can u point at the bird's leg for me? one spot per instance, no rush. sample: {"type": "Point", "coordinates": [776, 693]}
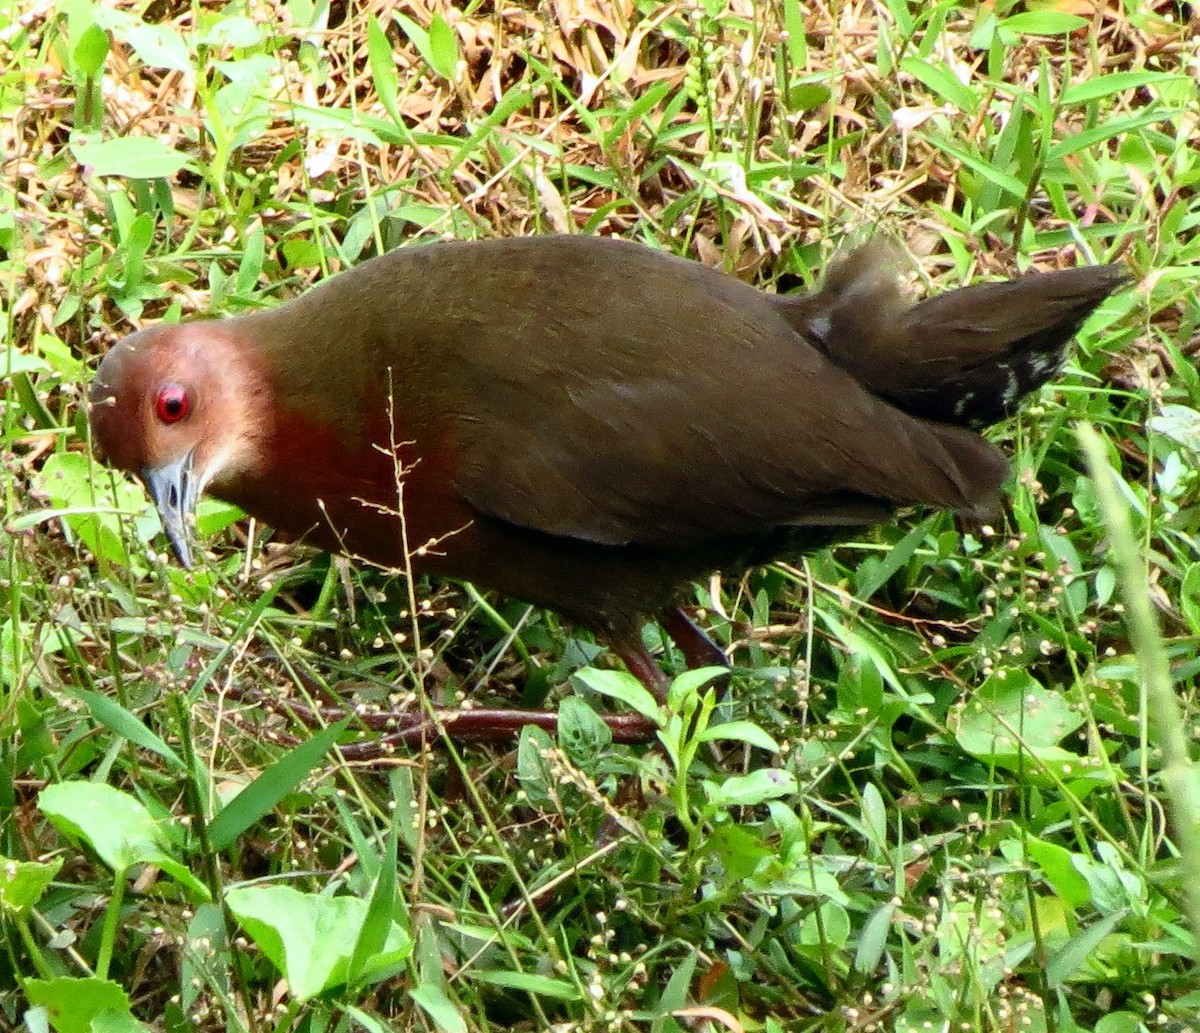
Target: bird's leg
{"type": "Point", "coordinates": [628, 645]}
{"type": "Point", "coordinates": [697, 648]}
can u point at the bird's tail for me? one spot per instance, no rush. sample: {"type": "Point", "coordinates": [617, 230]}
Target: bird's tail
{"type": "Point", "coordinates": [966, 357]}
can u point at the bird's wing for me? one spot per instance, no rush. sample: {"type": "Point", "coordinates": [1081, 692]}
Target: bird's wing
{"type": "Point", "coordinates": [711, 419]}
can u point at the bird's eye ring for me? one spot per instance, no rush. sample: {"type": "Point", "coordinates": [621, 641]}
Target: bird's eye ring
{"type": "Point", "coordinates": [172, 403]}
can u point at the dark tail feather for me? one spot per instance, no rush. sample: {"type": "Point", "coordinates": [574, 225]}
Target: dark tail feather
{"type": "Point", "coordinates": [966, 357]}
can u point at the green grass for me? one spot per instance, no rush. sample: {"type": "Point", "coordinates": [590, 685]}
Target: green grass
{"type": "Point", "coordinates": [940, 803]}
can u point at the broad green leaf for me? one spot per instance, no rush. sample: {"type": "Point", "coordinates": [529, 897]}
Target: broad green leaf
{"type": "Point", "coordinates": [22, 883]}
{"type": "Point", "coordinates": [581, 732]}
{"type": "Point", "coordinates": [533, 770]}
{"type": "Point", "coordinates": [310, 938]}
{"type": "Point", "coordinates": [874, 938]}
{"type": "Point", "coordinates": [1012, 714]}
{"type": "Point", "coordinates": [116, 826]}
{"type": "Point", "coordinates": [14, 362]}
{"type": "Point", "coordinates": [158, 45]}
{"type": "Point", "coordinates": [134, 157]}
{"type": "Point", "coordinates": [1043, 23]}
{"type": "Point", "coordinates": [76, 1005]}
{"type": "Point", "coordinates": [624, 687]}
{"type": "Point", "coordinates": [749, 790]}
{"type": "Point", "coordinates": [1180, 423]}
{"type": "Point", "coordinates": [91, 50]}
{"type": "Point", "coordinates": [91, 500]}
{"type": "Point", "coordinates": [1060, 870]}
{"type": "Point", "coordinates": [739, 850]}
{"type": "Point", "coordinates": [443, 48]}
{"type": "Point", "coordinates": [739, 731]}
{"type": "Point", "coordinates": [689, 683]}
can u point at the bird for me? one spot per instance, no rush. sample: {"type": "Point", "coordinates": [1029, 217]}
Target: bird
{"type": "Point", "coordinates": [586, 423]}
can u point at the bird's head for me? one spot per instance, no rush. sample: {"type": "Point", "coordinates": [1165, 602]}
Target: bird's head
{"type": "Point", "coordinates": [180, 407]}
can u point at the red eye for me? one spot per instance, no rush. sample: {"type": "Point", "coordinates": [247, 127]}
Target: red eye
{"type": "Point", "coordinates": [172, 403]}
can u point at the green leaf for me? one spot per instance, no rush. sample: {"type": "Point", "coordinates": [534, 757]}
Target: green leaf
{"type": "Point", "coordinates": [383, 68]}
{"type": "Point", "coordinates": [797, 42]}
{"type": "Point", "coordinates": [1010, 184]}
{"type": "Point", "coordinates": [438, 46]}
{"type": "Point", "coordinates": [624, 687]}
{"type": "Point", "coordinates": [874, 938]}
{"type": "Point", "coordinates": [689, 683]}
{"type": "Point", "coordinates": [749, 790]}
{"type": "Point", "coordinates": [1043, 23]}
{"type": "Point", "coordinates": [310, 937]}
{"type": "Point", "coordinates": [82, 1005]}
{"type": "Point", "coordinates": [1071, 957]}
{"type": "Point", "coordinates": [739, 851]}
{"type": "Point", "coordinates": [91, 500]}
{"type": "Point", "coordinates": [739, 731]}
{"type": "Point", "coordinates": [1110, 130]}
{"type": "Point", "coordinates": [1060, 870]}
{"type": "Point", "coordinates": [213, 515]}
{"type": "Point", "coordinates": [434, 1002]}
{"type": "Point", "coordinates": [112, 715]}
{"type": "Point", "coordinates": [508, 105]}
{"type": "Point", "coordinates": [1180, 423]}
{"type": "Point", "coordinates": [443, 48]}
{"type": "Point", "coordinates": [91, 50]}
{"type": "Point", "coordinates": [117, 1022]}
{"type": "Point", "coordinates": [531, 983]}
{"type": "Point", "coordinates": [116, 826]}
{"type": "Point", "coordinates": [231, 30]}
{"type": "Point", "coordinates": [15, 362]}
{"type": "Point", "coordinates": [1012, 714]}
{"type": "Point", "coordinates": [372, 937]}
{"type": "Point", "coordinates": [22, 883]}
{"type": "Point", "coordinates": [581, 732]}
{"type": "Point", "coordinates": [158, 45]}
{"type": "Point", "coordinates": [261, 795]}
{"type": "Point", "coordinates": [1014, 708]}
{"type": "Point", "coordinates": [874, 817]}
{"type": "Point", "coordinates": [675, 994]}
{"type": "Point", "coordinates": [1116, 82]}
{"type": "Point", "coordinates": [134, 157]}
{"type": "Point", "coordinates": [533, 770]}
{"type": "Point", "coordinates": [941, 81]}
{"type": "Point", "coordinates": [875, 572]}
{"type": "Point", "coordinates": [1121, 1022]}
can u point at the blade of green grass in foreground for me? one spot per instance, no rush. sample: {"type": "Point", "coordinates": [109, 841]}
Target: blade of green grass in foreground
{"type": "Point", "coordinates": [1180, 774]}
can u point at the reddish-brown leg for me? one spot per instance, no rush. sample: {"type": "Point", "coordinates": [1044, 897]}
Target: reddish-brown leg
{"type": "Point", "coordinates": [628, 645]}
{"type": "Point", "coordinates": [697, 648]}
